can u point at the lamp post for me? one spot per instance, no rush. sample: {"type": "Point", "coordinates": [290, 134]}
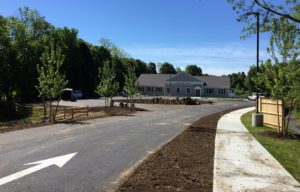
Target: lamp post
{"type": "Point", "coordinates": [257, 119]}
{"type": "Point", "coordinates": [257, 51]}
{"type": "Point", "coordinates": [170, 86]}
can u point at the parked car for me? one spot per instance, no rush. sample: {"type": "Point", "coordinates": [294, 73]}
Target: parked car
{"type": "Point", "coordinates": [254, 96]}
{"type": "Point", "coordinates": [67, 95]}
{"type": "Point", "coordinates": [123, 93]}
{"type": "Point", "coordinates": [77, 94]}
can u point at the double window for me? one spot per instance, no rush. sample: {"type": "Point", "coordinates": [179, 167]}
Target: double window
{"type": "Point", "coordinates": [141, 89]}
{"type": "Point", "coordinates": [210, 91]}
{"type": "Point", "coordinates": [222, 91]}
{"type": "Point", "coordinates": [158, 89]}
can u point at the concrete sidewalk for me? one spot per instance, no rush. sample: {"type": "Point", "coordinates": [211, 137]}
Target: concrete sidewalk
{"type": "Point", "coordinates": [242, 164]}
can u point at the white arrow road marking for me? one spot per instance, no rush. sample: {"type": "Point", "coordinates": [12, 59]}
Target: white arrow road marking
{"type": "Point", "coordinates": [59, 161]}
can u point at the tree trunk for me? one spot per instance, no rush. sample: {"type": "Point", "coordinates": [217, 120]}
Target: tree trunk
{"type": "Point", "coordinates": [111, 102]}
{"type": "Point", "coordinates": [278, 119]}
{"type": "Point", "coordinates": [45, 110]}
{"type": "Point", "coordinates": [55, 113]}
{"type": "Point", "coordinates": [289, 116]}
{"type": "Point", "coordinates": [104, 104]}
{"type": "Point", "coordinates": [131, 102]}
{"type": "Point", "coordinates": [50, 111]}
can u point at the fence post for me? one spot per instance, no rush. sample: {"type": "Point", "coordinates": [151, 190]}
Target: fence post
{"type": "Point", "coordinates": [283, 113]}
{"type": "Point", "coordinates": [87, 111]}
{"type": "Point", "coordinates": [45, 111]}
{"type": "Point", "coordinates": [260, 105]}
{"type": "Point", "coordinates": [64, 112]}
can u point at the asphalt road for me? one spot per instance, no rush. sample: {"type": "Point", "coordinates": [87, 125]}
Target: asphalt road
{"type": "Point", "coordinates": [106, 149]}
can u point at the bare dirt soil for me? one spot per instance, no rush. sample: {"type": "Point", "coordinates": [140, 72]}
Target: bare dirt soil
{"type": "Point", "coordinates": [94, 112]}
{"type": "Point", "coordinates": [184, 164]}
{"type": "Point", "coordinates": [157, 100]}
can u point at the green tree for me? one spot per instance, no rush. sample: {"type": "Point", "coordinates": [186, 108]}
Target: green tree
{"type": "Point", "coordinates": [27, 31]}
{"type": "Point", "coordinates": [130, 79]}
{"type": "Point", "coordinates": [178, 70]}
{"type": "Point", "coordinates": [108, 86]}
{"type": "Point", "coordinates": [50, 80]}
{"type": "Point", "coordinates": [140, 67]}
{"type": "Point", "coordinates": [282, 78]}
{"type": "Point", "coordinates": [269, 11]}
{"type": "Point", "coordinates": [67, 39]}
{"type": "Point", "coordinates": [167, 68]}
{"type": "Point", "coordinates": [88, 70]}
{"type": "Point", "coordinates": [114, 50]}
{"type": "Point", "coordinates": [151, 68]}
{"type": "Point", "coordinates": [249, 81]}
{"type": "Point", "coordinates": [193, 70]}
{"type": "Point", "coordinates": [237, 82]}
{"type": "Point", "coordinates": [119, 69]}
{"type": "Point", "coordinates": [8, 63]}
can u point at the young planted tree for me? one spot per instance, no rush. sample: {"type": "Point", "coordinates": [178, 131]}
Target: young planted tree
{"type": "Point", "coordinates": [50, 81]}
{"type": "Point", "coordinates": [108, 86]}
{"type": "Point", "coordinates": [130, 79]}
{"type": "Point", "coordinates": [282, 78]}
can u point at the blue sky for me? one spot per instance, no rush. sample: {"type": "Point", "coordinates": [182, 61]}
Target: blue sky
{"type": "Point", "coordinates": [182, 32]}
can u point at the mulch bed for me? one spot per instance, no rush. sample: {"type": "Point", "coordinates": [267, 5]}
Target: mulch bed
{"type": "Point", "coordinates": [184, 164]}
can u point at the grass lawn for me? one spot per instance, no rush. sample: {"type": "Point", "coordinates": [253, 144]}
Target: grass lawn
{"type": "Point", "coordinates": [297, 113]}
{"type": "Point", "coordinates": [285, 150]}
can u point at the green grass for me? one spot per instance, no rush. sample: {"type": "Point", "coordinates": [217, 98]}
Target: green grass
{"type": "Point", "coordinates": [298, 117]}
{"type": "Point", "coordinates": [36, 117]}
{"type": "Point", "coordinates": [285, 150]}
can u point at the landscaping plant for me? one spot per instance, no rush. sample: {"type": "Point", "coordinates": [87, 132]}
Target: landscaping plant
{"type": "Point", "coordinates": [282, 79]}
{"type": "Point", "coordinates": [108, 86]}
{"type": "Point", "coordinates": [130, 79]}
{"type": "Point", "coordinates": [50, 80]}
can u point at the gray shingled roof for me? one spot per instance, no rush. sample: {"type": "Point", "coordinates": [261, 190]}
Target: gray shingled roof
{"type": "Point", "coordinates": [215, 81]}
{"type": "Point", "coordinates": [158, 80]}
{"type": "Point", "coordinates": [153, 80]}
{"type": "Point", "coordinates": [184, 77]}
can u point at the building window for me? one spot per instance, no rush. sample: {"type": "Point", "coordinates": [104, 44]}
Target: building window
{"type": "Point", "coordinates": [168, 89]}
{"type": "Point", "coordinates": [222, 91]}
{"type": "Point", "coordinates": [210, 91]}
{"type": "Point", "coordinates": [177, 90]}
{"type": "Point", "coordinates": [158, 89]}
{"type": "Point", "coordinates": [188, 90]}
{"type": "Point", "coordinates": [149, 89]}
{"type": "Point", "coordinates": [141, 89]}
